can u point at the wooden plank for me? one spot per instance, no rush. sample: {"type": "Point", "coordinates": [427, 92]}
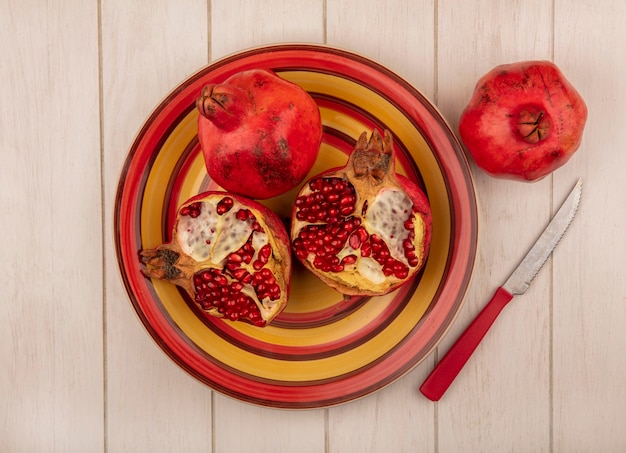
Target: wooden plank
{"type": "Point", "coordinates": [401, 37]}
{"type": "Point", "coordinates": [590, 289]}
{"type": "Point", "coordinates": [147, 50]}
{"type": "Point", "coordinates": [245, 427]}
{"type": "Point", "coordinates": [504, 389]}
{"type": "Point", "coordinates": [237, 25]}
{"type": "Point", "coordinates": [51, 350]}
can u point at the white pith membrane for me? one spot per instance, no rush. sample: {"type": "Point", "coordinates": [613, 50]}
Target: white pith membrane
{"type": "Point", "coordinates": [386, 217]}
{"type": "Point", "coordinates": [210, 238]}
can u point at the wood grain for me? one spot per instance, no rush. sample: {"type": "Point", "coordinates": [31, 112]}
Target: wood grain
{"type": "Point", "coordinates": [590, 289]}
{"type": "Point", "coordinates": [147, 50]}
{"type": "Point", "coordinates": [258, 23]}
{"type": "Point", "coordinates": [78, 372]}
{"type": "Point", "coordinates": [237, 25]}
{"type": "Point", "coordinates": [511, 367]}
{"type": "Point", "coordinates": [51, 352]}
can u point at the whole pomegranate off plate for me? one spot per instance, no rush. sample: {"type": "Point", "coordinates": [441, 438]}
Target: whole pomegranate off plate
{"type": "Point", "coordinates": [230, 254]}
{"type": "Point", "coordinates": [259, 134]}
{"type": "Point", "coordinates": [362, 229]}
{"type": "Point", "coordinates": [524, 120]}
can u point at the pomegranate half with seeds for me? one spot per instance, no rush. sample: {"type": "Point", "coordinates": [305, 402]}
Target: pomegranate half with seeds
{"type": "Point", "coordinates": [230, 254]}
{"type": "Point", "coordinates": [362, 229]}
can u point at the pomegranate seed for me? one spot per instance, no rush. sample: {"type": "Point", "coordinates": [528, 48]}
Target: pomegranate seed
{"type": "Point", "coordinates": [233, 315]}
{"type": "Point", "coordinates": [342, 236]}
{"type": "Point", "coordinates": [241, 274]}
{"type": "Point", "coordinates": [237, 286]}
{"type": "Point", "coordinates": [224, 205]}
{"type": "Point", "coordinates": [382, 254]}
{"type": "Point", "coordinates": [191, 210]}
{"type": "Point", "coordinates": [348, 259]}
{"type": "Point", "coordinates": [354, 241]}
{"type": "Point", "coordinates": [362, 234]}
{"type": "Point", "coordinates": [231, 266]}
{"type": "Point", "coordinates": [267, 274]}
{"type": "Point", "coordinates": [265, 252]}
{"type": "Point", "coordinates": [242, 215]}
{"type": "Point", "coordinates": [275, 292]}
{"type": "Point", "coordinates": [346, 210]}
{"type": "Point", "coordinates": [402, 272]}
{"type": "Point", "coordinates": [247, 258]}
{"type": "Point", "coordinates": [302, 253]}
{"type": "Point", "coordinates": [235, 258]}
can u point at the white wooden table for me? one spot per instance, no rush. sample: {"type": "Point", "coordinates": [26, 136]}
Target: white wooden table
{"type": "Point", "coordinates": [78, 372]}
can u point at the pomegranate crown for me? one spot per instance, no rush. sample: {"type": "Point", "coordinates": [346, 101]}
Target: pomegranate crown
{"type": "Point", "coordinates": [223, 105]}
{"type": "Point", "coordinates": [373, 158]}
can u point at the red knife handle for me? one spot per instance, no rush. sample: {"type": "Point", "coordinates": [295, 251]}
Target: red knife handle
{"type": "Point", "coordinates": [449, 367]}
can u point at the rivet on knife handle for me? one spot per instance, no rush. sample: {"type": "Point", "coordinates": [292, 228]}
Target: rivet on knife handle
{"type": "Point", "coordinates": [449, 367]}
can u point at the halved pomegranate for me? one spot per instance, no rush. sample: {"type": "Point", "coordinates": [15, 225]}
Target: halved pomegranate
{"type": "Point", "coordinates": [230, 254]}
{"type": "Point", "coordinates": [362, 229]}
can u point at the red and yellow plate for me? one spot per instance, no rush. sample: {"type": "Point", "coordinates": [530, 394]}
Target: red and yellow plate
{"type": "Point", "coordinates": [322, 350]}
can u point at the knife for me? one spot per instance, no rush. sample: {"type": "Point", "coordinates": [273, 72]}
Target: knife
{"type": "Point", "coordinates": [449, 367]}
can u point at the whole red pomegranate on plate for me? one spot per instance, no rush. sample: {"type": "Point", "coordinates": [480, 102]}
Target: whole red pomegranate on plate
{"type": "Point", "coordinates": [230, 254]}
{"type": "Point", "coordinates": [259, 134]}
{"type": "Point", "coordinates": [362, 229]}
{"type": "Point", "coordinates": [523, 121]}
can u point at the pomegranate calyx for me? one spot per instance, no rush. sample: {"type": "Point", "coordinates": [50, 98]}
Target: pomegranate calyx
{"type": "Point", "coordinates": [532, 124]}
{"type": "Point", "coordinates": [166, 264]}
{"type": "Point", "coordinates": [223, 105]}
{"type": "Point", "coordinates": [162, 261]}
{"type": "Point", "coordinates": [372, 159]}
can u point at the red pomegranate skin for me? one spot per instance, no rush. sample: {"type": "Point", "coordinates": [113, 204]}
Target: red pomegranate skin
{"type": "Point", "coordinates": [260, 134]}
{"type": "Point", "coordinates": [523, 121]}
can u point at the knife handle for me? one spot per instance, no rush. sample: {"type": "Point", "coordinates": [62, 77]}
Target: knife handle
{"type": "Point", "coordinates": [447, 369]}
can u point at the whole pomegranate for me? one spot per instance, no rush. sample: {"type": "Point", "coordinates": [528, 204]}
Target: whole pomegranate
{"type": "Point", "coordinates": [259, 134]}
{"type": "Point", "coordinates": [230, 254]}
{"type": "Point", "coordinates": [523, 121]}
{"type": "Point", "coordinates": [362, 229]}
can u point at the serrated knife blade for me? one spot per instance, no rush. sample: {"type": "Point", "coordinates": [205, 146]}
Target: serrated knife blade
{"type": "Point", "coordinates": [520, 279]}
{"type": "Point", "coordinates": [449, 367]}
